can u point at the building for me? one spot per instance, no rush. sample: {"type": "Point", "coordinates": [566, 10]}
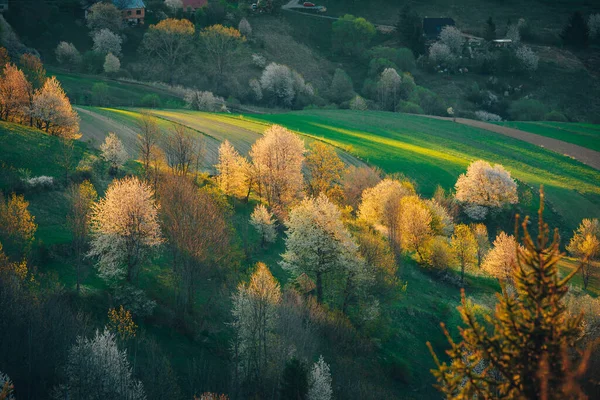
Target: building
{"type": "Point", "coordinates": [132, 11]}
{"type": "Point", "coordinates": [432, 27]}
{"type": "Point", "coordinates": [502, 43]}
{"type": "Point", "coordinates": [193, 5]}
{"type": "Point", "coordinates": [3, 5]}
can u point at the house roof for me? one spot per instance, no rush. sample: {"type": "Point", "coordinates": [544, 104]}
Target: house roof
{"type": "Point", "coordinates": [194, 4]}
{"type": "Point", "coordinates": [128, 4]}
{"type": "Point", "coordinates": [433, 26]}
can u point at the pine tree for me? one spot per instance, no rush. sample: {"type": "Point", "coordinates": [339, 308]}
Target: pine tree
{"type": "Point", "coordinates": [576, 32]}
{"type": "Point", "coordinates": [489, 32]}
{"type": "Point", "coordinates": [526, 354]}
{"type": "Point", "coordinates": [410, 29]}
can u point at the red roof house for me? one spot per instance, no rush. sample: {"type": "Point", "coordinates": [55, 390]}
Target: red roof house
{"type": "Point", "coordinates": [193, 5]}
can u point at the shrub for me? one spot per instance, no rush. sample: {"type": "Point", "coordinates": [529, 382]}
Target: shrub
{"type": "Point", "coordinates": [430, 102]}
{"type": "Point", "coordinates": [402, 58]}
{"type": "Point", "coordinates": [41, 182]}
{"type": "Point", "coordinates": [150, 100]}
{"type": "Point", "coordinates": [100, 95]}
{"type": "Point", "coordinates": [527, 110]}
{"type": "Point", "coordinates": [556, 116]}
{"type": "Point", "coordinates": [358, 103]}
{"type": "Point", "coordinates": [527, 58]}
{"type": "Point", "coordinates": [204, 101]}
{"type": "Point", "coordinates": [487, 116]}
{"type": "Point", "coordinates": [409, 108]}
{"type": "Point", "coordinates": [93, 62]}
{"type": "Point", "coordinates": [378, 65]}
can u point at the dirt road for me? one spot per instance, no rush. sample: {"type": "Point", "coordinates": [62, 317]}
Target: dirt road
{"type": "Point", "coordinates": [586, 156]}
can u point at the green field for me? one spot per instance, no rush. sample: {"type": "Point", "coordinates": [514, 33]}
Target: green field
{"type": "Point", "coordinates": [120, 93]}
{"type": "Point", "coordinates": [212, 128]}
{"type": "Point", "coordinates": [585, 135]}
{"type": "Point", "coordinates": [431, 152]}
{"type": "Point", "coordinates": [435, 152]}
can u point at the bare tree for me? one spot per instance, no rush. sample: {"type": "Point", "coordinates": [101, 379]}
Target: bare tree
{"type": "Point", "coordinates": [184, 150]}
{"type": "Point", "coordinates": [147, 138]}
{"type": "Point", "coordinates": [197, 233]}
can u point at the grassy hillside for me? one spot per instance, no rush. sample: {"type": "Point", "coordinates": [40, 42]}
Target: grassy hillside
{"type": "Point", "coordinates": [435, 152]}
{"type": "Point", "coordinates": [79, 88]}
{"type": "Point", "coordinates": [586, 135]}
{"type": "Point", "coordinates": [429, 151]}
{"type": "Point", "coordinates": [213, 128]}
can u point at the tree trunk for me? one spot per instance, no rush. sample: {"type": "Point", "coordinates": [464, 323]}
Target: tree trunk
{"type": "Point", "coordinates": [319, 287]}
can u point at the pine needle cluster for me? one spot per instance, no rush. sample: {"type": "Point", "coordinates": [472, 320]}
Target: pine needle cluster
{"type": "Point", "coordinates": [527, 352]}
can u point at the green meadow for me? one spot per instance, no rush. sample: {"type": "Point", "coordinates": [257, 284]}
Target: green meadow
{"type": "Point", "coordinates": [585, 135]}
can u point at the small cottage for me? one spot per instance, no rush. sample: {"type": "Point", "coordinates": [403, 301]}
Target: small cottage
{"type": "Point", "coordinates": [132, 11]}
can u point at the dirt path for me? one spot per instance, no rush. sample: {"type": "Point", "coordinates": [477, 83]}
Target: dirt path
{"type": "Point", "coordinates": [586, 156]}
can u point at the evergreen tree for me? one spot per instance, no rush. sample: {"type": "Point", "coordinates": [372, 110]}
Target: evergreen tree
{"type": "Point", "coordinates": [294, 385]}
{"type": "Point", "coordinates": [576, 32]}
{"type": "Point", "coordinates": [527, 354]}
{"type": "Point", "coordinates": [410, 30]}
{"type": "Point", "coordinates": [489, 32]}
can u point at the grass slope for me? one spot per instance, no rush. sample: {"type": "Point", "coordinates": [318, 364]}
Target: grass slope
{"type": "Point", "coordinates": [120, 93]}
{"type": "Point", "coordinates": [585, 135]}
{"type": "Point", "coordinates": [24, 148]}
{"type": "Point", "coordinates": [213, 128]}
{"type": "Point", "coordinates": [436, 152]}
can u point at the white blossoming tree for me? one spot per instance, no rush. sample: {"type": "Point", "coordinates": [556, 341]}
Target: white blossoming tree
{"type": "Point", "coordinates": [277, 159]}
{"type": "Point", "coordinates": [484, 186]}
{"type": "Point", "coordinates": [105, 41]}
{"type": "Point", "coordinates": [262, 220]}
{"type": "Point", "coordinates": [245, 28]}
{"type": "Point", "coordinates": [319, 381]}
{"type": "Point", "coordinates": [453, 38]}
{"type": "Point", "coordinates": [113, 152]}
{"type": "Point", "coordinates": [97, 369]}
{"type": "Point", "coordinates": [439, 53]}
{"type": "Point", "coordinates": [67, 55]}
{"type": "Point", "coordinates": [317, 243]}
{"type": "Point", "coordinates": [389, 89]}
{"type": "Point", "coordinates": [124, 228]}
{"type": "Point", "coordinates": [528, 59]}
{"type": "Point", "coordinates": [111, 64]}
{"type": "Point", "coordinates": [283, 85]}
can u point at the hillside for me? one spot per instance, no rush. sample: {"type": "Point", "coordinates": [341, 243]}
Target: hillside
{"type": "Point", "coordinates": [431, 152]}
{"type": "Point", "coordinates": [362, 218]}
{"type": "Point", "coordinates": [435, 152]}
